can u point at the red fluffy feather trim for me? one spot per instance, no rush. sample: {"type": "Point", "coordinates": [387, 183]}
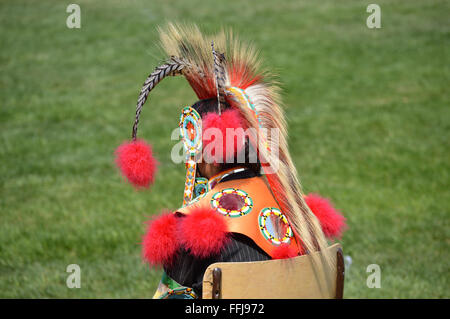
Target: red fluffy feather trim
{"type": "Point", "coordinates": [160, 242]}
{"type": "Point", "coordinates": [284, 251]}
{"type": "Point", "coordinates": [136, 162]}
{"type": "Point", "coordinates": [331, 220]}
{"type": "Point", "coordinates": [223, 135]}
{"type": "Point", "coordinates": [204, 232]}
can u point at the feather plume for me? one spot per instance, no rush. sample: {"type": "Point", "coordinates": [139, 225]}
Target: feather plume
{"type": "Point", "coordinates": [173, 67]}
{"type": "Point", "coordinates": [243, 70]}
{"type": "Point", "coordinates": [220, 76]}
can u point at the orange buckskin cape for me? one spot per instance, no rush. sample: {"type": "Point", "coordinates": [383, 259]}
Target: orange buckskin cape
{"type": "Point", "coordinates": [255, 216]}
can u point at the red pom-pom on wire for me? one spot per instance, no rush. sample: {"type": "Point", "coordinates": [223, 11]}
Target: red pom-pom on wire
{"type": "Point", "coordinates": [331, 220]}
{"type": "Point", "coordinates": [224, 146]}
{"type": "Point", "coordinates": [136, 162]}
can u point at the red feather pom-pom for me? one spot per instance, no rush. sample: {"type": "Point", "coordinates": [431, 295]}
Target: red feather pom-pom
{"type": "Point", "coordinates": [136, 162]}
{"type": "Point", "coordinates": [284, 251]}
{"type": "Point", "coordinates": [160, 242]}
{"type": "Point", "coordinates": [331, 220]}
{"type": "Point", "coordinates": [223, 135]}
{"type": "Point", "coordinates": [204, 232]}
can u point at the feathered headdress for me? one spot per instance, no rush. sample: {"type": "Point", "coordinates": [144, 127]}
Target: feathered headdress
{"type": "Point", "coordinates": [230, 71]}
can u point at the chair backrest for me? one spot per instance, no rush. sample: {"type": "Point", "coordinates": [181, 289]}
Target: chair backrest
{"type": "Point", "coordinates": [295, 278]}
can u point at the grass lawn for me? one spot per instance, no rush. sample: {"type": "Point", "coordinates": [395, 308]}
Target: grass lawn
{"type": "Point", "coordinates": [368, 113]}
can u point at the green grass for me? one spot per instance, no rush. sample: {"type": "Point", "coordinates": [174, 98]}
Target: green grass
{"type": "Point", "coordinates": [368, 113]}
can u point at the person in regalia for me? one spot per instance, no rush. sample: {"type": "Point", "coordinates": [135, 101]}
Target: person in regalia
{"type": "Point", "coordinates": [242, 199]}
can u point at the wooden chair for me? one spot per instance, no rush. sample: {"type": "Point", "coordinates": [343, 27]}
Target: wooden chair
{"type": "Point", "coordinates": [301, 277]}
